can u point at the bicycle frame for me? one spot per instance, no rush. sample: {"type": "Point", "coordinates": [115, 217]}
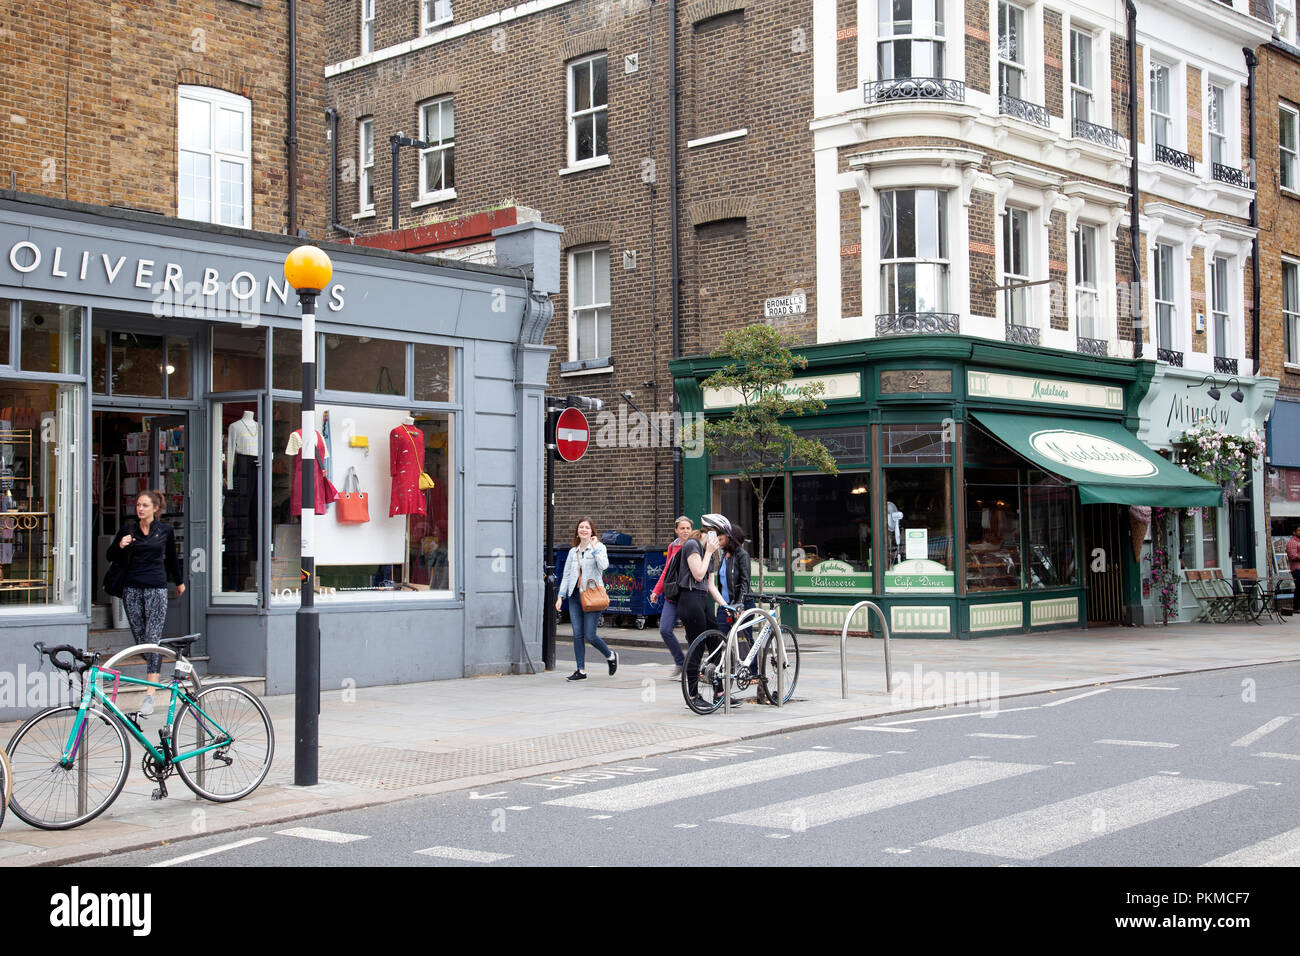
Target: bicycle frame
{"type": "Point", "coordinates": [92, 690]}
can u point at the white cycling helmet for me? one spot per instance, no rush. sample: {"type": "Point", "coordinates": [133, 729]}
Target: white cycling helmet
{"type": "Point", "coordinates": [716, 523]}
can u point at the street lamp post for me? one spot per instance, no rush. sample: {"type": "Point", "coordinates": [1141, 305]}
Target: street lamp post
{"type": "Point", "coordinates": [308, 270]}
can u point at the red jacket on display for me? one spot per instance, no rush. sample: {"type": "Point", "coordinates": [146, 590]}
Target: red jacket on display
{"type": "Point", "coordinates": [406, 461]}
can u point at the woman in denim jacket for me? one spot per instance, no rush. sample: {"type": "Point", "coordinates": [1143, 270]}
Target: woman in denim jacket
{"type": "Point", "coordinates": [587, 559]}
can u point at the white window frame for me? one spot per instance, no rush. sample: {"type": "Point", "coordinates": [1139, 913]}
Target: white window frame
{"type": "Point", "coordinates": [1087, 290]}
{"type": "Point", "coordinates": [1171, 299]}
{"type": "Point", "coordinates": [1026, 49]}
{"type": "Point", "coordinates": [1077, 87]}
{"type": "Point", "coordinates": [430, 19]}
{"type": "Point", "coordinates": [1291, 317]}
{"type": "Point", "coordinates": [367, 26]}
{"type": "Point", "coordinates": [574, 115]}
{"type": "Point", "coordinates": [1017, 304]}
{"type": "Point", "coordinates": [365, 164]}
{"type": "Point", "coordinates": [1227, 156]}
{"type": "Point", "coordinates": [1288, 152]}
{"type": "Point", "coordinates": [1171, 139]}
{"type": "Point", "coordinates": [886, 37]}
{"type": "Point", "coordinates": [942, 264]}
{"type": "Point", "coordinates": [1220, 302]}
{"type": "Point", "coordinates": [441, 147]}
{"type": "Point", "coordinates": [214, 100]}
{"type": "Point", "coordinates": [594, 307]}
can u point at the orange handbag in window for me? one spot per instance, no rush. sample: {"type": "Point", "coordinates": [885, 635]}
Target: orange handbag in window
{"type": "Point", "coordinates": [353, 506]}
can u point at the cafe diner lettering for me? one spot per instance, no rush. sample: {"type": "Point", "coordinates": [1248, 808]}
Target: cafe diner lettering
{"type": "Point", "coordinates": [243, 289]}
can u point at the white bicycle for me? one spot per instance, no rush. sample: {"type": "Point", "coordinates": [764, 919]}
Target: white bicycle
{"type": "Point", "coordinates": [704, 675]}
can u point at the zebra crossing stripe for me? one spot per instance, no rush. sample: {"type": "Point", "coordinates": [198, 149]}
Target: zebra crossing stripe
{"type": "Point", "coordinates": [846, 802]}
{"type": "Point", "coordinates": [323, 836]}
{"type": "Point", "coordinates": [1068, 823]}
{"type": "Point", "coordinates": [1254, 735]}
{"type": "Point", "coordinates": [649, 793]}
{"type": "Point", "coordinates": [462, 855]}
{"type": "Point", "coordinates": [1281, 850]}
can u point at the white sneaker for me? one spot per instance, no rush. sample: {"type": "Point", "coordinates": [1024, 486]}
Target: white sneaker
{"type": "Point", "coordinates": [676, 673]}
{"type": "Point", "coordinates": [146, 706]}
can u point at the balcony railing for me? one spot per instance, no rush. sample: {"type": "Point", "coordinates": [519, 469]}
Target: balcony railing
{"type": "Point", "coordinates": [918, 323]}
{"type": "Point", "coordinates": [1170, 356]}
{"type": "Point", "coordinates": [1101, 135]}
{"type": "Point", "coordinates": [1173, 157]}
{"type": "Point", "coordinates": [1089, 346]}
{"type": "Point", "coordinates": [1225, 366]}
{"type": "Point", "coordinates": [1231, 175]}
{"type": "Point", "coordinates": [1023, 109]}
{"type": "Point", "coordinates": [907, 88]}
{"type": "Point", "coordinates": [1022, 334]}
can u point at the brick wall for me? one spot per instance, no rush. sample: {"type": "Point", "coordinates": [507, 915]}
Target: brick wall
{"type": "Point", "coordinates": [983, 254]}
{"type": "Point", "coordinates": [1119, 84]}
{"type": "Point", "coordinates": [90, 93]}
{"type": "Point", "coordinates": [1194, 123]}
{"type": "Point", "coordinates": [977, 45]}
{"type": "Point", "coordinates": [851, 254]}
{"type": "Point", "coordinates": [1057, 271]}
{"type": "Point", "coordinates": [747, 220]}
{"type": "Point", "coordinates": [1053, 80]}
{"type": "Point", "coordinates": [846, 44]}
{"type": "Point", "coordinates": [1199, 305]}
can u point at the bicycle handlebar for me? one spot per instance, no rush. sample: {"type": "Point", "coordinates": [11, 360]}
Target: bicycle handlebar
{"type": "Point", "coordinates": [81, 660]}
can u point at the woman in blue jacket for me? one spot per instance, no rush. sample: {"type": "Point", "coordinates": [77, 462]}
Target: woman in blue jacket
{"type": "Point", "coordinates": [587, 559]}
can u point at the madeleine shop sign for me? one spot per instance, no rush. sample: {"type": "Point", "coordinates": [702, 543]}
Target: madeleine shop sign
{"type": "Point", "coordinates": [837, 386]}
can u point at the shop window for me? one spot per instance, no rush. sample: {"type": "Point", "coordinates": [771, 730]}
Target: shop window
{"type": "Point", "coordinates": [148, 366]}
{"type": "Point", "coordinates": [435, 370]}
{"type": "Point", "coordinates": [41, 458]}
{"type": "Point", "coordinates": [236, 479]}
{"type": "Point", "coordinates": [588, 110]}
{"type": "Point", "coordinates": [735, 498]}
{"type": "Point", "coordinates": [286, 359]}
{"type": "Point", "coordinates": [437, 164]}
{"type": "Point", "coordinates": [1210, 538]}
{"type": "Point", "coordinates": [917, 444]}
{"type": "Point", "coordinates": [363, 364]}
{"type": "Point", "coordinates": [238, 358]}
{"type": "Point", "coordinates": [404, 548]}
{"type": "Point", "coordinates": [1186, 540]}
{"type": "Point", "coordinates": [99, 361]}
{"type": "Point", "coordinates": [50, 338]}
{"type": "Point", "coordinates": [848, 446]}
{"type": "Point", "coordinates": [831, 532]}
{"type": "Point", "coordinates": [910, 39]}
{"type": "Point", "coordinates": [993, 559]}
{"type": "Point", "coordinates": [917, 517]}
{"type": "Point", "coordinates": [1050, 532]}
{"type": "Point", "coordinates": [214, 179]}
{"type": "Point", "coordinates": [913, 251]}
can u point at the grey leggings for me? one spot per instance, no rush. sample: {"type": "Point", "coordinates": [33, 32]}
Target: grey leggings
{"type": "Point", "coordinates": [146, 610]}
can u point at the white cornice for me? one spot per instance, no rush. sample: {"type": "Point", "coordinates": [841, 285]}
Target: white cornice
{"type": "Point", "coordinates": [1175, 215]}
{"type": "Point", "coordinates": [916, 156]}
{"type": "Point", "coordinates": [1096, 193]}
{"type": "Point", "coordinates": [1025, 174]}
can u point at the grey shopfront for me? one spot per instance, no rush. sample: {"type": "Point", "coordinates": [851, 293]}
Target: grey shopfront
{"type": "Point", "coordinates": [139, 352]}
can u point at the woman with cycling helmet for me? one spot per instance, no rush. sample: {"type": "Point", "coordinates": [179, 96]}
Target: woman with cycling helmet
{"type": "Point", "coordinates": [696, 578]}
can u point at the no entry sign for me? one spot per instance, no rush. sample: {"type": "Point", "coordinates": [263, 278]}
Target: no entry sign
{"type": "Point", "coordinates": [571, 434]}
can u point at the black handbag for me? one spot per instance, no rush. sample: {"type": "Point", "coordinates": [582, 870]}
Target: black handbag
{"type": "Point", "coordinates": [115, 579]}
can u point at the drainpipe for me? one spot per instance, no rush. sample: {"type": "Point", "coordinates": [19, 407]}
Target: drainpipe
{"type": "Point", "coordinates": [1133, 228]}
{"type": "Point", "coordinates": [1251, 62]}
{"type": "Point", "coordinates": [292, 139]}
{"type": "Point", "coordinates": [654, 272]}
{"type": "Point", "coordinates": [332, 116]}
{"type": "Point", "coordinates": [673, 224]}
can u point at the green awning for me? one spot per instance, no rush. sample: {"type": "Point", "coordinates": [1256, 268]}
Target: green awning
{"type": "Point", "coordinates": [1104, 459]}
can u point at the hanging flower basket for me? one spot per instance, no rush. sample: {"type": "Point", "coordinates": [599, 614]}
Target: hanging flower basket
{"type": "Point", "coordinates": [1221, 457]}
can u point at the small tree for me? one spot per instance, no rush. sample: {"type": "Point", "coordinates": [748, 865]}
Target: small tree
{"type": "Point", "coordinates": [761, 366]}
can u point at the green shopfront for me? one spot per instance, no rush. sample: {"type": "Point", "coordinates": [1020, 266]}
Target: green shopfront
{"type": "Point", "coordinates": [983, 487]}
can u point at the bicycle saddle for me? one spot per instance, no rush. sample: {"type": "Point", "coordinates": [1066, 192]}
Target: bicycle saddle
{"type": "Point", "coordinates": [180, 643]}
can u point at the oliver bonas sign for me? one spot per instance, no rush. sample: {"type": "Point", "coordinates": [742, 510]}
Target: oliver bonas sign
{"type": "Point", "coordinates": [1092, 453]}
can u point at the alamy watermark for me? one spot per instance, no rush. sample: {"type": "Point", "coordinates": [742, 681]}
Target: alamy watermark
{"type": "Point", "coordinates": [938, 688]}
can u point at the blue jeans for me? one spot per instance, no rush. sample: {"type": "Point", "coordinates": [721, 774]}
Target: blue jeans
{"type": "Point", "coordinates": [667, 621]}
{"type": "Point", "coordinates": [584, 632]}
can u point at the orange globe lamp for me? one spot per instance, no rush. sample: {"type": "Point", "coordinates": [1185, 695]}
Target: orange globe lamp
{"type": "Point", "coordinates": [308, 268]}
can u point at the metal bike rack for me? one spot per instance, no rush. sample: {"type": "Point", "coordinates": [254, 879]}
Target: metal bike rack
{"type": "Point", "coordinates": [169, 653]}
{"type": "Point", "coordinates": [844, 636]}
{"type": "Point", "coordinates": [733, 654]}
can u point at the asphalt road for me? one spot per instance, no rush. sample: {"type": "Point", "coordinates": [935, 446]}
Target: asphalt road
{"type": "Point", "coordinates": [1183, 771]}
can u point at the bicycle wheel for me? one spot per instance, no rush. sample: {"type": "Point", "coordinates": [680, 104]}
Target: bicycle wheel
{"type": "Point", "coordinates": [51, 797]}
{"type": "Point", "coordinates": [6, 779]}
{"type": "Point", "coordinates": [769, 664]}
{"type": "Point", "coordinates": [703, 672]}
{"type": "Point", "coordinates": [233, 770]}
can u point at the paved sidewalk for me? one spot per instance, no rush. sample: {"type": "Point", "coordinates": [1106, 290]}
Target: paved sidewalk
{"type": "Point", "coordinates": [380, 744]}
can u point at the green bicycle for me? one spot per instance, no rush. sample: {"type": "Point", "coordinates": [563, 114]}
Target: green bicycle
{"type": "Point", "coordinates": [70, 762]}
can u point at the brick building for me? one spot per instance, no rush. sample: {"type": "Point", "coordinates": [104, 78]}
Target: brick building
{"type": "Point", "coordinates": [1278, 104]}
{"type": "Point", "coordinates": [563, 108]}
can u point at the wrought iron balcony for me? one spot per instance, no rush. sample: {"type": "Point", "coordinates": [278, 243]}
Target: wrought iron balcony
{"type": "Point", "coordinates": [1023, 109]}
{"type": "Point", "coordinates": [1225, 366]}
{"type": "Point", "coordinates": [1022, 334]}
{"type": "Point", "coordinates": [1172, 157]}
{"type": "Point", "coordinates": [1101, 135]}
{"type": "Point", "coordinates": [906, 88]}
{"type": "Point", "coordinates": [1093, 346]}
{"type": "Point", "coordinates": [1170, 356]}
{"type": "Point", "coordinates": [918, 323]}
{"type": "Point", "coordinates": [1231, 175]}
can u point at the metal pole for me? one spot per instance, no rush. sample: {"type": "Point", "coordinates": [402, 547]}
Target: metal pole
{"type": "Point", "coordinates": [307, 640]}
{"type": "Point", "coordinates": [548, 559]}
{"type": "Point", "coordinates": [394, 143]}
{"type": "Point", "coordinates": [844, 636]}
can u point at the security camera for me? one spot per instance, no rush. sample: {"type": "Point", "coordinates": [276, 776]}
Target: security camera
{"type": "Point", "coordinates": [627, 396]}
